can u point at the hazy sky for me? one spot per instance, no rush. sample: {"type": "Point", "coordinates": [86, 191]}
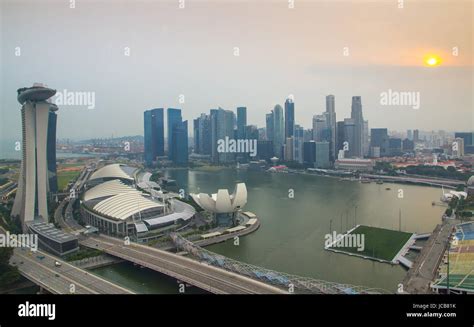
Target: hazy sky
{"type": "Point", "coordinates": [282, 51]}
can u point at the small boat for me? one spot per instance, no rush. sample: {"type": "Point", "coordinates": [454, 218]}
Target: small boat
{"type": "Point", "coordinates": [388, 189]}
{"type": "Point", "coordinates": [365, 181]}
{"type": "Point", "coordinates": [379, 182]}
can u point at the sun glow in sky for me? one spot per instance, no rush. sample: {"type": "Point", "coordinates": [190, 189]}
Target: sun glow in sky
{"type": "Point", "coordinates": [432, 60]}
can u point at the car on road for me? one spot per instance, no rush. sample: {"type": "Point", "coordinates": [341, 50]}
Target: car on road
{"type": "Point", "coordinates": [57, 264]}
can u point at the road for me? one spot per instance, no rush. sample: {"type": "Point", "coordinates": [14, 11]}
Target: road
{"type": "Point", "coordinates": [58, 280]}
{"type": "Point", "coordinates": [204, 276]}
{"type": "Point", "coordinates": [66, 221]}
{"type": "Point", "coordinates": [412, 179]}
{"type": "Point", "coordinates": [39, 267]}
{"type": "Point", "coordinates": [425, 266]}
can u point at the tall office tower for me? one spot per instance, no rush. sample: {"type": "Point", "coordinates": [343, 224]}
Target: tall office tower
{"type": "Point", "coordinates": [213, 117]}
{"type": "Point", "coordinates": [331, 123]}
{"type": "Point", "coordinates": [468, 137]}
{"type": "Point", "coordinates": [241, 122]}
{"type": "Point", "coordinates": [222, 126]}
{"type": "Point", "coordinates": [356, 115]}
{"type": "Point", "coordinates": [269, 126]}
{"type": "Point", "coordinates": [366, 144]}
{"type": "Point", "coordinates": [154, 134]}
{"type": "Point", "coordinates": [288, 154]}
{"type": "Point", "coordinates": [251, 132]}
{"type": "Point", "coordinates": [322, 155]}
{"type": "Point", "coordinates": [308, 135]}
{"type": "Point", "coordinates": [321, 132]}
{"type": "Point", "coordinates": [264, 150]}
{"type": "Point", "coordinates": [289, 118]}
{"type": "Point", "coordinates": [416, 135]}
{"type": "Point", "coordinates": [298, 139]}
{"type": "Point", "coordinates": [205, 141]}
{"type": "Point", "coordinates": [38, 154]}
{"type": "Point", "coordinates": [410, 134]}
{"type": "Point", "coordinates": [339, 136]}
{"type": "Point", "coordinates": [278, 130]}
{"type": "Point", "coordinates": [309, 153]}
{"type": "Point", "coordinates": [174, 118]}
{"type": "Point", "coordinates": [350, 136]}
{"type": "Point", "coordinates": [408, 145]}
{"type": "Point", "coordinates": [262, 131]}
{"type": "Point", "coordinates": [196, 133]}
{"type": "Point", "coordinates": [395, 146]}
{"type": "Point", "coordinates": [179, 146]}
{"type": "Point", "coordinates": [379, 139]}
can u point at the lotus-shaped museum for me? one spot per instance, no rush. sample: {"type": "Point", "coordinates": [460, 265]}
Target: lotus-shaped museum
{"type": "Point", "coordinates": [222, 201]}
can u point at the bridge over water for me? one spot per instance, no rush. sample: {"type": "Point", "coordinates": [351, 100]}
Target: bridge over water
{"type": "Point", "coordinates": [290, 283]}
{"type": "Point", "coordinates": [202, 275]}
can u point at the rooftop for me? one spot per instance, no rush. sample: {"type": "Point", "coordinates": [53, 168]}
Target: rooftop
{"type": "Point", "coordinates": [48, 230]}
{"type": "Point", "coordinates": [114, 171]}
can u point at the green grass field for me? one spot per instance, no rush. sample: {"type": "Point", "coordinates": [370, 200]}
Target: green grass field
{"type": "Point", "coordinates": [379, 243]}
{"type": "Point", "coordinates": [65, 177]}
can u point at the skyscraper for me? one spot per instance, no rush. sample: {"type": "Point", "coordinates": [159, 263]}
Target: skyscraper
{"type": "Point", "coordinates": [154, 134]}
{"type": "Point", "coordinates": [322, 155]}
{"type": "Point", "coordinates": [38, 154]}
{"type": "Point", "coordinates": [288, 153]}
{"type": "Point", "coordinates": [289, 118]}
{"type": "Point", "coordinates": [174, 118]}
{"type": "Point", "coordinates": [331, 124]}
{"type": "Point", "coordinates": [204, 134]}
{"type": "Point", "coordinates": [269, 126]}
{"type": "Point", "coordinates": [196, 135]}
{"type": "Point", "coordinates": [321, 131]}
{"type": "Point", "coordinates": [379, 139]}
{"type": "Point", "coordinates": [241, 122]}
{"type": "Point", "coordinates": [179, 144]}
{"type": "Point", "coordinates": [356, 115]}
{"type": "Point", "coordinates": [278, 130]}
{"type": "Point", "coordinates": [468, 137]}
{"type": "Point", "coordinates": [309, 153]}
{"type": "Point", "coordinates": [222, 126]}
{"type": "Point", "coordinates": [365, 139]}
{"type": "Point", "coordinates": [264, 150]}
{"type": "Point", "coordinates": [395, 146]}
{"type": "Point", "coordinates": [298, 143]}
{"type": "Point", "coordinates": [339, 136]}
{"type": "Point", "coordinates": [416, 135]}
{"type": "Point", "coordinates": [350, 137]}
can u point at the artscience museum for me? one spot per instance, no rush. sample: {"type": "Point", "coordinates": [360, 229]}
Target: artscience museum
{"type": "Point", "coordinates": [222, 205]}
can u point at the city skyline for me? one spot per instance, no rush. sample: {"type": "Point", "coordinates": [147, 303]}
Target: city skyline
{"type": "Point", "coordinates": [293, 58]}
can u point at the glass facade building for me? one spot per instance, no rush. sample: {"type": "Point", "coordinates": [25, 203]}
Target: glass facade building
{"type": "Point", "coordinates": [154, 135]}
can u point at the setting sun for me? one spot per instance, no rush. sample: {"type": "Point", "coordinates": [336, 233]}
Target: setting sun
{"type": "Point", "coordinates": [432, 61]}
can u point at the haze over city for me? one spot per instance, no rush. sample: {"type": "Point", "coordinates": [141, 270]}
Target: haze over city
{"type": "Point", "coordinates": [207, 147]}
{"type": "Point", "coordinates": [181, 52]}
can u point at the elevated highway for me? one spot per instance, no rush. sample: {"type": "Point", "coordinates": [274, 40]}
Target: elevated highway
{"type": "Point", "coordinates": [204, 276]}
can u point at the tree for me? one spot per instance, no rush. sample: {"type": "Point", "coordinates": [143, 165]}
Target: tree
{"type": "Point", "coordinates": [8, 274]}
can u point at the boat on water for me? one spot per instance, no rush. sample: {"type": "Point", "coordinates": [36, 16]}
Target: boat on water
{"type": "Point", "coordinates": [388, 189]}
{"type": "Point", "coordinates": [365, 181]}
{"type": "Point", "coordinates": [379, 181]}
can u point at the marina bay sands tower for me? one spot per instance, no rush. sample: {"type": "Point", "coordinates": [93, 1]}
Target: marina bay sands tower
{"type": "Point", "coordinates": [38, 164]}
